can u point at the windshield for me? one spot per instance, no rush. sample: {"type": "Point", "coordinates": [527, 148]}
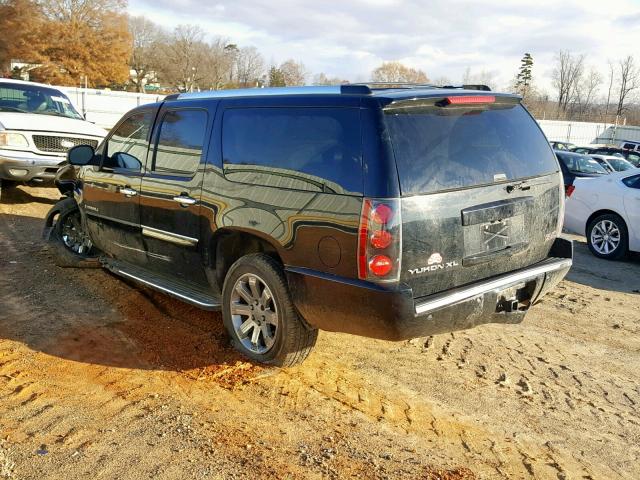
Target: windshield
{"type": "Point", "coordinates": [620, 164]}
{"type": "Point", "coordinates": [35, 99]}
{"type": "Point", "coordinates": [582, 164]}
{"type": "Point", "coordinates": [439, 148]}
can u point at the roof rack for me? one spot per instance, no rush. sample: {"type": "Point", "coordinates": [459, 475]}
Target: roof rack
{"type": "Point", "coordinates": [407, 85]}
{"type": "Point", "coordinates": [348, 89]}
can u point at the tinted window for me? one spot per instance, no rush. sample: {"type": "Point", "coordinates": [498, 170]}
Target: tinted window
{"type": "Point", "coordinates": [127, 146]}
{"type": "Point", "coordinates": [629, 146]}
{"type": "Point", "coordinates": [316, 149]}
{"type": "Point", "coordinates": [581, 164]}
{"type": "Point", "coordinates": [438, 148]}
{"type": "Point", "coordinates": [180, 141]}
{"type": "Point", "coordinates": [633, 182]}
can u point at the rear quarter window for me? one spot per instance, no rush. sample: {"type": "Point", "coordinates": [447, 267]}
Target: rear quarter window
{"type": "Point", "coordinates": [437, 149]}
{"type": "Point", "coordinates": [316, 149]}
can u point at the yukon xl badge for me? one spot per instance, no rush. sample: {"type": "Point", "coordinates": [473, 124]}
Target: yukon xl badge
{"type": "Point", "coordinates": [434, 263]}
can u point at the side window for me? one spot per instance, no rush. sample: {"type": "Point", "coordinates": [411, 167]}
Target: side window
{"type": "Point", "coordinates": [127, 146]}
{"type": "Point", "coordinates": [628, 146]}
{"type": "Point", "coordinates": [316, 149]}
{"type": "Point", "coordinates": [179, 144]}
{"type": "Point", "coordinates": [632, 182]}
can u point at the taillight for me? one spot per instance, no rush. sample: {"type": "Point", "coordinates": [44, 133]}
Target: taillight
{"type": "Point", "coordinates": [568, 190]}
{"type": "Point", "coordinates": [379, 240]}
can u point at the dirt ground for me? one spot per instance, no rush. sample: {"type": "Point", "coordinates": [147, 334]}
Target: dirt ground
{"type": "Point", "coordinates": [102, 379]}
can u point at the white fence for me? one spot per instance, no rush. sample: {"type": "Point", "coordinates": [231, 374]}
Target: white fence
{"type": "Point", "coordinates": [583, 133]}
{"type": "Point", "coordinates": [105, 107]}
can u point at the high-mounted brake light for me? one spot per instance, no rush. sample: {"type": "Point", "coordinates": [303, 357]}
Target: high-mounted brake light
{"type": "Point", "coordinates": [469, 100]}
{"type": "Point", "coordinates": [379, 240]}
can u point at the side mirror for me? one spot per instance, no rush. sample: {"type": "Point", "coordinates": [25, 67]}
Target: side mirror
{"type": "Point", "coordinates": [81, 155]}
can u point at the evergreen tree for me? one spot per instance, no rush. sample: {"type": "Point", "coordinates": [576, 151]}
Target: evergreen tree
{"type": "Point", "coordinates": [276, 77]}
{"type": "Point", "coordinates": [524, 77]}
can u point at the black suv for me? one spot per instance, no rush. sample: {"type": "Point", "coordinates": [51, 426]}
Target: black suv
{"type": "Point", "coordinates": [385, 212]}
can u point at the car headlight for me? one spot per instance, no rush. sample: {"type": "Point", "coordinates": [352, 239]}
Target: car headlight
{"type": "Point", "coordinates": [11, 139]}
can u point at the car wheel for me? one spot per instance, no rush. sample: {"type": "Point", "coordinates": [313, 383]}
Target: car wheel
{"type": "Point", "coordinates": [71, 245]}
{"type": "Point", "coordinates": [607, 237]}
{"type": "Point", "coordinates": [259, 315]}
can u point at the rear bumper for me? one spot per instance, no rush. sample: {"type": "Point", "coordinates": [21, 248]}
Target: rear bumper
{"type": "Point", "coordinates": [28, 167]}
{"type": "Point", "coordinates": [361, 308]}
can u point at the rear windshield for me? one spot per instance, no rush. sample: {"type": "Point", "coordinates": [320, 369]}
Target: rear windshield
{"type": "Point", "coordinates": [619, 164]}
{"type": "Point", "coordinates": [581, 164]}
{"type": "Point", "coordinates": [441, 148]}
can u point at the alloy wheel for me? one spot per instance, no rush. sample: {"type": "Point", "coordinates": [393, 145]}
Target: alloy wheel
{"type": "Point", "coordinates": [605, 237]}
{"type": "Point", "coordinates": [254, 313]}
{"type": "Point", "coordinates": [73, 235]}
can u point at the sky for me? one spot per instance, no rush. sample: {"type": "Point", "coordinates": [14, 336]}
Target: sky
{"type": "Point", "coordinates": [349, 38]}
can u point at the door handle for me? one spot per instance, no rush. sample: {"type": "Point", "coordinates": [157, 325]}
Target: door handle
{"type": "Point", "coordinates": [128, 191]}
{"type": "Point", "coordinates": [185, 200]}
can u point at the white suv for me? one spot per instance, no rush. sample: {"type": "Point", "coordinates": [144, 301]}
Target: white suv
{"type": "Point", "coordinates": [38, 124]}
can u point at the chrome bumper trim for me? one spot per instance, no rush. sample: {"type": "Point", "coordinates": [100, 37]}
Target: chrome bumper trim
{"type": "Point", "coordinates": [491, 285]}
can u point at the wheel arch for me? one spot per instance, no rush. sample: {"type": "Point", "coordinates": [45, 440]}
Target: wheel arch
{"type": "Point", "coordinates": [228, 245]}
{"type": "Point", "coordinates": [600, 212]}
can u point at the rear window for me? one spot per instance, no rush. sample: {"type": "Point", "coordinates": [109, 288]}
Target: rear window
{"type": "Point", "coordinates": [581, 164]}
{"type": "Point", "coordinates": [440, 148]}
{"type": "Point", "coordinates": [620, 164]}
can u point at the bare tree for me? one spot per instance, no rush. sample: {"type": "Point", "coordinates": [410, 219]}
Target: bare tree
{"type": "Point", "coordinates": [322, 79]}
{"type": "Point", "coordinates": [629, 81]}
{"type": "Point", "coordinates": [566, 77]}
{"type": "Point", "coordinates": [586, 91]}
{"type": "Point", "coordinates": [184, 56]}
{"type": "Point", "coordinates": [147, 39]}
{"type": "Point", "coordinates": [611, 78]}
{"type": "Point", "coordinates": [294, 73]}
{"type": "Point", "coordinates": [442, 81]}
{"type": "Point", "coordinates": [218, 64]}
{"type": "Point", "coordinates": [396, 72]}
{"type": "Point", "coordinates": [250, 67]}
{"type": "Point", "coordinates": [483, 78]}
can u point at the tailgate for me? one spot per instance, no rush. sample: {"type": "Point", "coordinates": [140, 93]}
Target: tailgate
{"type": "Point", "coordinates": [482, 192]}
{"type": "Point", "coordinates": [454, 238]}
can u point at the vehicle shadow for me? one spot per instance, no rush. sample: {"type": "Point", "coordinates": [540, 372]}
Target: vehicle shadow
{"type": "Point", "coordinates": [615, 276]}
{"type": "Point", "coordinates": [94, 317]}
{"type": "Point", "coordinates": [23, 194]}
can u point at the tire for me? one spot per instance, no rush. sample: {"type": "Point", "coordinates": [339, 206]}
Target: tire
{"type": "Point", "coordinates": [608, 237]}
{"type": "Point", "coordinates": [282, 339]}
{"type": "Point", "coordinates": [65, 255]}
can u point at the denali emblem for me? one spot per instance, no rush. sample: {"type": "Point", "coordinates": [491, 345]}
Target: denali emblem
{"type": "Point", "coordinates": [66, 144]}
{"type": "Point", "coordinates": [434, 258]}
